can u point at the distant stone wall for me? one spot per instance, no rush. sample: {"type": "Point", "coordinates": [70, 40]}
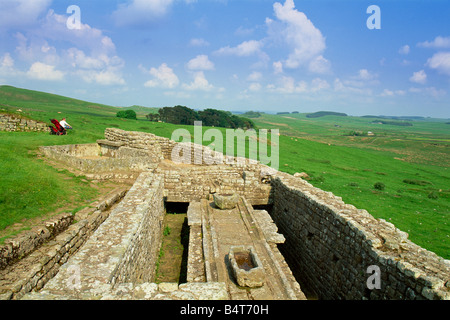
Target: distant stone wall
{"type": "Point", "coordinates": [14, 123]}
{"type": "Point", "coordinates": [331, 245]}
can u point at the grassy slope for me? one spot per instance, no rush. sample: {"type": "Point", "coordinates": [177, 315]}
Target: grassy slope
{"type": "Point", "coordinates": [348, 167]}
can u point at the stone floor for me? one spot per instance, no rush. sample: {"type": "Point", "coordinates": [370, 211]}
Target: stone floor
{"type": "Point", "coordinates": [239, 227]}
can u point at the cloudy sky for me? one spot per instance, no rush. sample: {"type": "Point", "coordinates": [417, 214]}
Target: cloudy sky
{"type": "Point", "coordinates": [237, 55]}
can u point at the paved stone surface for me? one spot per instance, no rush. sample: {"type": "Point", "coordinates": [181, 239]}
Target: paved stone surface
{"type": "Point", "coordinates": [237, 227]}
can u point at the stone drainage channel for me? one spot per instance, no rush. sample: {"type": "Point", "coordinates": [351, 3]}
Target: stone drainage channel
{"type": "Point", "coordinates": [228, 233]}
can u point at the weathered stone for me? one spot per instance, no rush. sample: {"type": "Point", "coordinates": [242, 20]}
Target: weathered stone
{"type": "Point", "coordinates": [226, 201]}
{"type": "Point", "coordinates": [246, 266]}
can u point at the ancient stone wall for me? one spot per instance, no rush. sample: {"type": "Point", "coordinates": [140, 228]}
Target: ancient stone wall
{"type": "Point", "coordinates": [89, 160]}
{"type": "Point", "coordinates": [13, 123]}
{"type": "Point", "coordinates": [331, 246]}
{"type": "Point", "coordinates": [19, 246]}
{"type": "Point", "coordinates": [47, 248]}
{"type": "Point", "coordinates": [138, 262]}
{"type": "Point", "coordinates": [194, 183]}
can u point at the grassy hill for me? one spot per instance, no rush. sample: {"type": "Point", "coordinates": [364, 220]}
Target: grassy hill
{"type": "Point", "coordinates": [348, 166]}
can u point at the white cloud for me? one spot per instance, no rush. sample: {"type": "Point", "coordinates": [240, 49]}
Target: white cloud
{"type": "Point", "coordinates": [200, 63]}
{"type": "Point", "coordinates": [364, 74]}
{"type": "Point", "coordinates": [437, 43]}
{"type": "Point", "coordinates": [254, 87]}
{"type": "Point", "coordinates": [105, 77]}
{"type": "Point", "coordinates": [198, 42]}
{"type": "Point", "coordinates": [278, 67]}
{"type": "Point", "coordinates": [319, 84]}
{"type": "Point", "coordinates": [42, 71]}
{"type": "Point", "coordinates": [245, 49]}
{"type": "Point", "coordinates": [430, 91]}
{"type": "Point", "coordinates": [90, 54]}
{"type": "Point", "coordinates": [440, 62]}
{"type": "Point", "coordinates": [390, 93]}
{"type": "Point", "coordinates": [7, 66]}
{"type": "Point", "coordinates": [163, 77]}
{"type": "Point", "coordinates": [306, 41]}
{"type": "Point", "coordinates": [319, 65]}
{"type": "Point", "coordinates": [404, 50]}
{"type": "Point", "coordinates": [288, 85]}
{"type": "Point", "coordinates": [21, 13]}
{"type": "Point", "coordinates": [199, 83]}
{"type": "Point", "coordinates": [139, 12]}
{"type": "Point", "coordinates": [419, 77]}
{"type": "Point", "coordinates": [351, 87]}
{"type": "Point", "coordinates": [7, 62]}
{"type": "Point", "coordinates": [255, 76]}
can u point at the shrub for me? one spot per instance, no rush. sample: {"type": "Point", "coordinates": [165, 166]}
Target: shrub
{"type": "Point", "coordinates": [433, 195]}
{"type": "Point", "coordinates": [379, 186]}
{"type": "Point", "coordinates": [127, 114]}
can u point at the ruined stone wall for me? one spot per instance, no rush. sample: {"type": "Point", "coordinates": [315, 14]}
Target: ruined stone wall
{"type": "Point", "coordinates": [136, 140]}
{"type": "Point", "coordinates": [330, 246]}
{"type": "Point", "coordinates": [13, 123]}
{"type": "Point", "coordinates": [21, 245]}
{"type": "Point", "coordinates": [194, 183]}
{"type": "Point", "coordinates": [138, 262]}
{"type": "Point", "coordinates": [88, 159]}
{"type": "Point", "coordinates": [47, 248]}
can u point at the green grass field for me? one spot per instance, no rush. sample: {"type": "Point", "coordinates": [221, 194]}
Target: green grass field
{"type": "Point", "coordinates": [348, 166]}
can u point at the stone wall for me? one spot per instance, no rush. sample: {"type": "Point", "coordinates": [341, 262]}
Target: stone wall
{"type": "Point", "coordinates": [193, 183]}
{"type": "Point", "coordinates": [138, 262]}
{"type": "Point", "coordinates": [15, 123]}
{"type": "Point", "coordinates": [21, 245]}
{"type": "Point", "coordinates": [123, 249]}
{"type": "Point", "coordinates": [45, 258]}
{"type": "Point", "coordinates": [330, 245]}
{"type": "Point", "coordinates": [88, 159]}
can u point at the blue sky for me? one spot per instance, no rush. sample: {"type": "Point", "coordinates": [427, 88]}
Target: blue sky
{"type": "Point", "coordinates": [237, 55]}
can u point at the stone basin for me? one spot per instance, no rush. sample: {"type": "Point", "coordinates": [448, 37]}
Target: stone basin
{"type": "Point", "coordinates": [246, 266]}
{"type": "Point", "coordinates": [226, 201]}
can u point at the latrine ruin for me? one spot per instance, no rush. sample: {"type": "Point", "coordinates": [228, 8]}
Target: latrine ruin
{"type": "Point", "coordinates": [308, 242]}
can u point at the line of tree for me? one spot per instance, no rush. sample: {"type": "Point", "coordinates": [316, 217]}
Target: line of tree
{"type": "Point", "coordinates": [325, 113]}
{"type": "Point", "coordinates": [209, 117]}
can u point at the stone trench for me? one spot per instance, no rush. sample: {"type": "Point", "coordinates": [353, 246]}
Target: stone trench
{"type": "Point", "coordinates": [305, 243]}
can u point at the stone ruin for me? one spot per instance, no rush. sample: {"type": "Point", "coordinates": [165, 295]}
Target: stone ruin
{"type": "Point", "coordinates": [299, 238]}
